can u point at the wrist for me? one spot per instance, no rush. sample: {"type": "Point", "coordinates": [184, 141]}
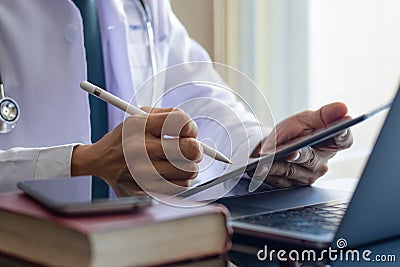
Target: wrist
{"type": "Point", "coordinates": [81, 161]}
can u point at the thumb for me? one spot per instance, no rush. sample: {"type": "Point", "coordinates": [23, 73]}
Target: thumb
{"type": "Point", "coordinates": [328, 114]}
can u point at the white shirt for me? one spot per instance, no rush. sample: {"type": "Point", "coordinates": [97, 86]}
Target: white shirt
{"type": "Point", "coordinates": [42, 61]}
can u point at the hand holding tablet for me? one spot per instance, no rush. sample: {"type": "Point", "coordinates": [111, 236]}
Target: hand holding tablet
{"type": "Point", "coordinates": [288, 148]}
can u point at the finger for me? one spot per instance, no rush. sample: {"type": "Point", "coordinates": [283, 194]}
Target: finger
{"type": "Point", "coordinates": [175, 123]}
{"type": "Point", "coordinates": [304, 156]}
{"type": "Point", "coordinates": [344, 139]}
{"type": "Point", "coordinates": [300, 174]}
{"type": "Point", "coordinates": [339, 142]}
{"type": "Point", "coordinates": [320, 118]}
{"type": "Point", "coordinates": [179, 170]}
{"type": "Point", "coordinates": [304, 123]}
{"type": "Point", "coordinates": [279, 182]}
{"type": "Point", "coordinates": [304, 175]}
{"type": "Point", "coordinates": [286, 174]}
{"type": "Point", "coordinates": [184, 183]}
{"type": "Point", "coordinates": [156, 110]}
{"type": "Point", "coordinates": [174, 149]}
{"type": "Point", "coordinates": [260, 171]}
{"type": "Point", "coordinates": [290, 174]}
{"type": "Point", "coordinates": [191, 149]}
{"type": "Point", "coordinates": [282, 169]}
{"type": "Point", "coordinates": [332, 112]}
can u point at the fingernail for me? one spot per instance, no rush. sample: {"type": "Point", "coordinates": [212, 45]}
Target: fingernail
{"type": "Point", "coordinates": [295, 158]}
{"type": "Point", "coordinates": [345, 133]}
{"type": "Point", "coordinates": [340, 139]}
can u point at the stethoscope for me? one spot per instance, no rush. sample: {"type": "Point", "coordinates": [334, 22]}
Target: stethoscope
{"type": "Point", "coordinates": [147, 20]}
{"type": "Point", "coordinates": [9, 111]}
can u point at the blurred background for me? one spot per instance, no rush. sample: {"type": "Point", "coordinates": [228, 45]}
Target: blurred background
{"type": "Point", "coordinates": [306, 53]}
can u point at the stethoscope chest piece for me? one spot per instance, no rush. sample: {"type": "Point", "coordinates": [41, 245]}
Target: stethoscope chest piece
{"type": "Point", "coordinates": [9, 111]}
{"type": "Point", "coordinates": [9, 114]}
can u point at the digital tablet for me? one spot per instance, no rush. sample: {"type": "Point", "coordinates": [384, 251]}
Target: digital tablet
{"type": "Point", "coordinates": [72, 196]}
{"type": "Point", "coordinates": [282, 151]}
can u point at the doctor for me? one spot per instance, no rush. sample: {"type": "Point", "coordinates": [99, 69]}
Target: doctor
{"type": "Point", "coordinates": [42, 62]}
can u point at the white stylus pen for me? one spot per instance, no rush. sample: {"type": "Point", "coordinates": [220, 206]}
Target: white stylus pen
{"type": "Point", "coordinates": [130, 109]}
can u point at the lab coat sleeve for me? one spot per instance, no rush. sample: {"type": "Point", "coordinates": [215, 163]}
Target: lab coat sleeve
{"type": "Point", "coordinates": [19, 164]}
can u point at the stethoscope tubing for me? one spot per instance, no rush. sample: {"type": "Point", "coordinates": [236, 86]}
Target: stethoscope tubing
{"type": "Point", "coordinates": [147, 21]}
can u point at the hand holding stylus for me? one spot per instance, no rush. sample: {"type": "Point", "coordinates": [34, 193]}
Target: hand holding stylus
{"type": "Point", "coordinates": [132, 110]}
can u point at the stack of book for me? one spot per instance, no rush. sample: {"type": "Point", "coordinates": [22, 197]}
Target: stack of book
{"type": "Point", "coordinates": [159, 234]}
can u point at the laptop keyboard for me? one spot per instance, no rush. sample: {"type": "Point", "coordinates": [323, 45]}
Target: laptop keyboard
{"type": "Point", "coordinates": [316, 219]}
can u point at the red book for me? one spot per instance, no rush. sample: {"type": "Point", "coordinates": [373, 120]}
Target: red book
{"type": "Point", "coordinates": [157, 235]}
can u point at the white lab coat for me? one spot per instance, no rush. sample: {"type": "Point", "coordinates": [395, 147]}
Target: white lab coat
{"type": "Point", "coordinates": [42, 61]}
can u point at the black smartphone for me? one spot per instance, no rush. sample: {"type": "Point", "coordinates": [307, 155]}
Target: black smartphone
{"type": "Point", "coordinates": [72, 197]}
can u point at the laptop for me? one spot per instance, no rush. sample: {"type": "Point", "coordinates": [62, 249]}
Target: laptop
{"type": "Point", "coordinates": [316, 218]}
